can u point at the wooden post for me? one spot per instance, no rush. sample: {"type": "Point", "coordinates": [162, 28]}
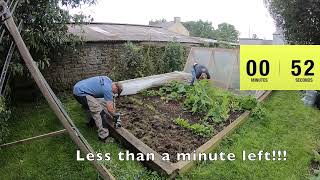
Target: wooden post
{"type": "Point", "coordinates": [51, 98]}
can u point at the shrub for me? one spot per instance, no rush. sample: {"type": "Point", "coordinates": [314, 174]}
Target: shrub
{"type": "Point", "coordinates": [248, 102]}
{"type": "Point", "coordinates": [132, 60]}
{"type": "Point", "coordinates": [173, 58]}
{"type": "Point", "coordinates": [139, 61]}
{"type": "Point", "coordinates": [259, 112]}
{"type": "Point", "coordinates": [4, 116]}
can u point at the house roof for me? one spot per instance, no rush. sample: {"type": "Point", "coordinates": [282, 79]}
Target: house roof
{"type": "Point", "coordinates": [164, 24]}
{"type": "Point", "coordinates": [101, 32]}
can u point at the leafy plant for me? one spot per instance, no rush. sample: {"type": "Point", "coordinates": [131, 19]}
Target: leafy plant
{"type": "Point", "coordinates": [182, 122]}
{"type": "Point", "coordinates": [139, 61]}
{"type": "Point", "coordinates": [173, 91]}
{"type": "Point", "coordinates": [173, 57]}
{"type": "Point", "coordinates": [248, 102]}
{"type": "Point", "coordinates": [4, 116]}
{"type": "Point", "coordinates": [204, 99]}
{"type": "Point", "coordinates": [201, 130]}
{"type": "Point", "coordinates": [316, 157]}
{"type": "Point", "coordinates": [259, 112]}
{"type": "Point", "coordinates": [45, 28]}
{"type": "Point", "coordinates": [198, 129]}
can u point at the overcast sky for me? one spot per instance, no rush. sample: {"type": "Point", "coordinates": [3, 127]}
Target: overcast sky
{"type": "Point", "coordinates": [248, 16]}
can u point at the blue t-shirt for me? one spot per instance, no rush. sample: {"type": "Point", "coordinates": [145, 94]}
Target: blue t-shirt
{"type": "Point", "coordinates": [98, 87]}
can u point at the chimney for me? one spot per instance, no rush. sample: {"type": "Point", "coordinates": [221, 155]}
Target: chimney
{"type": "Point", "coordinates": [177, 19]}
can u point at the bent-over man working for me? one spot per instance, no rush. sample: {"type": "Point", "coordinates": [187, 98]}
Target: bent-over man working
{"type": "Point", "coordinates": [86, 91]}
{"type": "Point", "coordinates": [199, 72]}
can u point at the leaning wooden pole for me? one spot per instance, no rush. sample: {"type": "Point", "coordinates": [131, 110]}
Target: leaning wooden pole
{"type": "Point", "coordinates": [49, 95]}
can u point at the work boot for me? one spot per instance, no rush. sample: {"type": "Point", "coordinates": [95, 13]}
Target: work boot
{"type": "Point", "coordinates": [103, 134]}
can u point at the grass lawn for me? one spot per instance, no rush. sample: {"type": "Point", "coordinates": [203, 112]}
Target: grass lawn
{"type": "Point", "coordinates": [289, 126]}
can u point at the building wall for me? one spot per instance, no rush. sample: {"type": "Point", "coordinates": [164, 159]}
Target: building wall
{"type": "Point", "coordinates": [179, 28]}
{"type": "Point", "coordinates": [89, 60]}
{"type": "Point", "coordinates": [249, 41]}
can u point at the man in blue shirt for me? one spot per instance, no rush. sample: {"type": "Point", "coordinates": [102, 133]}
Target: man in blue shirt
{"type": "Point", "coordinates": [199, 72]}
{"type": "Point", "coordinates": [86, 91]}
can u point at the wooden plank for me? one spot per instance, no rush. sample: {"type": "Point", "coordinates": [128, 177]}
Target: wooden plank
{"type": "Point", "coordinates": [264, 96]}
{"type": "Point", "coordinates": [27, 140]}
{"type": "Point", "coordinates": [135, 145]}
{"type": "Point", "coordinates": [209, 146]}
{"type": "Point", "coordinates": [51, 98]}
{"type": "Point", "coordinates": [184, 166]}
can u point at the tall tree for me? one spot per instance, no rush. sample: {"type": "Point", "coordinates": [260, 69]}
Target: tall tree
{"type": "Point", "coordinates": [299, 19]}
{"type": "Point", "coordinates": [227, 32]}
{"type": "Point", "coordinates": [200, 28]}
{"type": "Point", "coordinates": [45, 29]}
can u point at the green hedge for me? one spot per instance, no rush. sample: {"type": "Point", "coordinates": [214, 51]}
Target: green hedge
{"type": "Point", "coordinates": [145, 60]}
{"type": "Point", "coordinates": [4, 116]}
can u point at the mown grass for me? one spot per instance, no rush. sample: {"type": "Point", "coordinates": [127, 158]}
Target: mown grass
{"type": "Point", "coordinates": [55, 157]}
{"type": "Point", "coordinates": [289, 125]}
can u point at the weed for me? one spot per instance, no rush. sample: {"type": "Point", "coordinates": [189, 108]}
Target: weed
{"type": "Point", "coordinates": [248, 102]}
{"type": "Point", "coordinates": [136, 101]}
{"type": "Point", "coordinates": [259, 112]}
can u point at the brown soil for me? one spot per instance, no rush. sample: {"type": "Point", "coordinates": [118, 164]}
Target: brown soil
{"type": "Point", "coordinates": [151, 120]}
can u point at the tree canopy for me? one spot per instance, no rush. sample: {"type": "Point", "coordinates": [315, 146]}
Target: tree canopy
{"type": "Point", "coordinates": [45, 30]}
{"type": "Point", "coordinates": [227, 32]}
{"type": "Point", "coordinates": [200, 28]}
{"type": "Point", "coordinates": [299, 19]}
{"type": "Point", "coordinates": [224, 32]}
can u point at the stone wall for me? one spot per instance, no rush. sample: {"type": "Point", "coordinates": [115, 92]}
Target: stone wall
{"type": "Point", "coordinates": [88, 60]}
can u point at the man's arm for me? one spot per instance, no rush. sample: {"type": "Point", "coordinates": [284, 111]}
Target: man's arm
{"type": "Point", "coordinates": [193, 72]}
{"type": "Point", "coordinates": [110, 108]}
{"type": "Point", "coordinates": [208, 75]}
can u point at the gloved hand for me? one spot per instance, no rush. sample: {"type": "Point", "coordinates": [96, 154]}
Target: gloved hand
{"type": "Point", "coordinates": [117, 120]}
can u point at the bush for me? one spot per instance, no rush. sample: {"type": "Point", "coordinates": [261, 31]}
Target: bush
{"type": "Point", "coordinates": [139, 61]}
{"type": "Point", "coordinates": [248, 102]}
{"type": "Point", "coordinates": [4, 116]}
{"type": "Point", "coordinates": [259, 112]}
{"type": "Point", "coordinates": [173, 58]}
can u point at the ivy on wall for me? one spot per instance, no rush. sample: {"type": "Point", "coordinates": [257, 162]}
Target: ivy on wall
{"type": "Point", "coordinates": [139, 61]}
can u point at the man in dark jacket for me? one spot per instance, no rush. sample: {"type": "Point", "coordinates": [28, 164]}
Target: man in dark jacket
{"type": "Point", "coordinates": [199, 72]}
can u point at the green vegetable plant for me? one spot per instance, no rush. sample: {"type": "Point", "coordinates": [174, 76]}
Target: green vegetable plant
{"type": "Point", "coordinates": [205, 100]}
{"type": "Point", "coordinates": [202, 130]}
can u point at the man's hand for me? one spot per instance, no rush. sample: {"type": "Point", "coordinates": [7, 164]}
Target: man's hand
{"type": "Point", "coordinates": [110, 108]}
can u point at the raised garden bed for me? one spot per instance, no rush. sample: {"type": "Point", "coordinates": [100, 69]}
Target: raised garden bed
{"type": "Point", "coordinates": [162, 121]}
{"type": "Point", "coordinates": [152, 120]}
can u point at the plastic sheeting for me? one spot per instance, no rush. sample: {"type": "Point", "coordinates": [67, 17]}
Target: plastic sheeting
{"type": "Point", "coordinates": [223, 66]}
{"type": "Point", "coordinates": [133, 86]}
